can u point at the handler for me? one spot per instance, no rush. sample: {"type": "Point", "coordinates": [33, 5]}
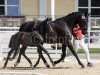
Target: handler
{"type": "Point", "coordinates": [79, 41]}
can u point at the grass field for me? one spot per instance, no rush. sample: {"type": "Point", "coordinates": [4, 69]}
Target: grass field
{"type": "Point", "coordinates": [91, 50]}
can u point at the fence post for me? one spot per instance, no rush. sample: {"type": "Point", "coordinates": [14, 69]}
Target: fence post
{"type": "Point", "coordinates": [1, 55]}
{"type": "Point", "coordinates": [89, 25]}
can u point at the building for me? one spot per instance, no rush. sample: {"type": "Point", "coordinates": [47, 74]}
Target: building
{"type": "Point", "coordinates": [42, 8]}
{"type": "Point", "coordinates": [35, 7]}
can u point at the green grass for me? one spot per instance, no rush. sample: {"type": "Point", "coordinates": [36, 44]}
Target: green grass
{"type": "Point", "coordinates": [91, 50]}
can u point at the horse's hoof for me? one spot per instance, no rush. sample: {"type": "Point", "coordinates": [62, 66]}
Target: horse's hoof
{"type": "Point", "coordinates": [55, 62]}
{"type": "Point", "coordinates": [48, 66]}
{"type": "Point", "coordinates": [33, 68]}
{"type": "Point", "coordinates": [90, 64]}
{"type": "Point", "coordinates": [15, 64]}
{"type": "Point", "coordinates": [82, 66]}
{"type": "Point", "coordinates": [3, 67]}
{"type": "Point", "coordinates": [31, 65]}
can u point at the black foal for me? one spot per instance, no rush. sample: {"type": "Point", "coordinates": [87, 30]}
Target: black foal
{"type": "Point", "coordinates": [26, 39]}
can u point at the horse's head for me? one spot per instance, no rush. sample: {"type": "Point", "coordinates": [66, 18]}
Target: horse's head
{"type": "Point", "coordinates": [82, 21]}
{"type": "Point", "coordinates": [45, 27]}
{"type": "Point", "coordinates": [77, 18]}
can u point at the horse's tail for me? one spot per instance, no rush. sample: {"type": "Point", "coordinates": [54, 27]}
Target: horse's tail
{"type": "Point", "coordinates": [10, 42]}
{"type": "Point", "coordinates": [16, 51]}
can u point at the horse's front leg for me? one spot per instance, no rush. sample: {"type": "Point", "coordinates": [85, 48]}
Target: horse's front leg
{"type": "Point", "coordinates": [63, 54]}
{"type": "Point", "coordinates": [75, 54]}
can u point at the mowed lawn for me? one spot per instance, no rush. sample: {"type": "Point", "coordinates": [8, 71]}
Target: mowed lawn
{"type": "Point", "coordinates": [91, 50]}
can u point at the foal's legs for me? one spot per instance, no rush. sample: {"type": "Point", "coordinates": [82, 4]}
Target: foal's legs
{"type": "Point", "coordinates": [40, 54]}
{"type": "Point", "coordinates": [15, 53]}
{"type": "Point", "coordinates": [22, 52]}
{"type": "Point", "coordinates": [41, 47]}
{"type": "Point", "coordinates": [44, 60]}
{"type": "Point", "coordinates": [9, 54]}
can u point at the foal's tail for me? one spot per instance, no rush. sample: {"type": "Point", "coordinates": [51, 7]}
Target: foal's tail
{"type": "Point", "coordinates": [13, 43]}
{"type": "Point", "coordinates": [10, 42]}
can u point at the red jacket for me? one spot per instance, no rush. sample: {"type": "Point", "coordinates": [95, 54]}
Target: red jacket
{"type": "Point", "coordinates": [77, 33]}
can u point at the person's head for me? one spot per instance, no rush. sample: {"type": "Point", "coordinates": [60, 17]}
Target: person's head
{"type": "Point", "coordinates": [77, 25]}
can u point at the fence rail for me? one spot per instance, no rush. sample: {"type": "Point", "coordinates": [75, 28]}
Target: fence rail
{"type": "Point", "coordinates": [7, 32]}
{"type": "Point", "coordinates": [94, 32]}
{"type": "Point", "coordinates": [93, 41]}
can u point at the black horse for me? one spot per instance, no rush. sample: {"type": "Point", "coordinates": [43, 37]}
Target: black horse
{"type": "Point", "coordinates": [27, 39]}
{"type": "Point", "coordinates": [62, 28]}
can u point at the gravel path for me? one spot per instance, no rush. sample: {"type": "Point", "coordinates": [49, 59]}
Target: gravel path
{"type": "Point", "coordinates": [63, 68]}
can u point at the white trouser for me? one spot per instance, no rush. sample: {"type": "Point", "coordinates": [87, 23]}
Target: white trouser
{"type": "Point", "coordinates": [81, 43]}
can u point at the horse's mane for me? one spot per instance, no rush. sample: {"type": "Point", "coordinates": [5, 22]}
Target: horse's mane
{"type": "Point", "coordinates": [75, 13]}
{"type": "Point", "coordinates": [71, 14]}
{"type": "Point", "coordinates": [41, 27]}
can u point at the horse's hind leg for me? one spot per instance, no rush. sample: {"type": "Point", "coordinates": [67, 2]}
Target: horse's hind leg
{"type": "Point", "coordinates": [9, 54]}
{"type": "Point", "coordinates": [18, 60]}
{"type": "Point", "coordinates": [75, 54]}
{"type": "Point", "coordinates": [15, 54]}
{"type": "Point", "coordinates": [63, 54]}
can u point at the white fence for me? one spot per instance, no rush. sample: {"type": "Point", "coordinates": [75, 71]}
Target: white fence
{"type": "Point", "coordinates": [93, 41]}
{"type": "Point", "coordinates": [94, 32]}
{"type": "Point", "coordinates": [5, 35]}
